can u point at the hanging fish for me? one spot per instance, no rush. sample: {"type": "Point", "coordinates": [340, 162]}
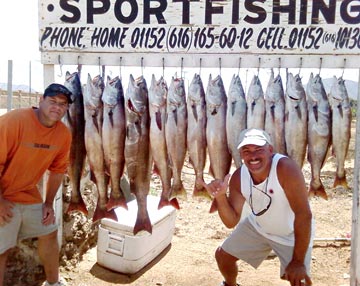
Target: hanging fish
{"type": "Point", "coordinates": [137, 148]}
{"type": "Point", "coordinates": [175, 132]}
{"type": "Point", "coordinates": [113, 139]}
{"type": "Point", "coordinates": [93, 143]}
{"type": "Point", "coordinates": [319, 132]}
{"type": "Point", "coordinates": [341, 128]}
{"type": "Point", "coordinates": [157, 108]}
{"type": "Point", "coordinates": [295, 119]}
{"type": "Point", "coordinates": [275, 113]}
{"type": "Point", "coordinates": [255, 105]}
{"type": "Point", "coordinates": [196, 132]}
{"type": "Point", "coordinates": [235, 117]}
{"type": "Point", "coordinates": [75, 120]}
{"type": "Point", "coordinates": [216, 107]}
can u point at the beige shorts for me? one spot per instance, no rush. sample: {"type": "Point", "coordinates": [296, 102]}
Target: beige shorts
{"type": "Point", "coordinates": [247, 244]}
{"type": "Point", "coordinates": [25, 223]}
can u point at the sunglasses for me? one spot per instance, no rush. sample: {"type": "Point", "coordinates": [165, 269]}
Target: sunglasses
{"type": "Point", "coordinates": [265, 196]}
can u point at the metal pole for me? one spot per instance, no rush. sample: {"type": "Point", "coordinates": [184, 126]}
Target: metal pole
{"type": "Point", "coordinates": [355, 252]}
{"type": "Point", "coordinates": [9, 85]}
{"type": "Point", "coordinates": [30, 83]}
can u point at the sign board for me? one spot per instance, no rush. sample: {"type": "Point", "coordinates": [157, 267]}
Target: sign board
{"type": "Point", "coordinates": [184, 31]}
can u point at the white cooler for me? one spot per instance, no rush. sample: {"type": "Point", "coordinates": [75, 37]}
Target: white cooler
{"type": "Point", "coordinates": [120, 250]}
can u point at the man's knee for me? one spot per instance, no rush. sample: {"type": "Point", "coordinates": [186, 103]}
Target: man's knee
{"type": "Point", "coordinates": [221, 255]}
{"type": "Point", "coordinates": [48, 236]}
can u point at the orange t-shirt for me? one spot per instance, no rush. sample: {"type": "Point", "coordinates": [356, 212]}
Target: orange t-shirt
{"type": "Point", "coordinates": [27, 150]}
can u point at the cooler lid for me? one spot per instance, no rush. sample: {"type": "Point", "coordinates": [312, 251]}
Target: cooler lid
{"type": "Point", "coordinates": [127, 218]}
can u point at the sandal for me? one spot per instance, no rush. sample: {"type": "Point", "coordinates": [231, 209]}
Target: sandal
{"type": "Point", "coordinates": [225, 284]}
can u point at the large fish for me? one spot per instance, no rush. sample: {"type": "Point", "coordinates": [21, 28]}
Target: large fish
{"type": "Point", "coordinates": [113, 139]}
{"type": "Point", "coordinates": [216, 107]}
{"type": "Point", "coordinates": [137, 148]}
{"type": "Point", "coordinates": [275, 113]}
{"type": "Point", "coordinates": [75, 120]}
{"type": "Point", "coordinates": [295, 119]}
{"type": "Point", "coordinates": [255, 104]}
{"type": "Point", "coordinates": [341, 127]}
{"type": "Point", "coordinates": [319, 132]}
{"type": "Point", "coordinates": [175, 132]}
{"type": "Point", "coordinates": [157, 108]}
{"type": "Point", "coordinates": [93, 143]}
{"type": "Point", "coordinates": [196, 131]}
{"type": "Point", "coordinates": [235, 117]}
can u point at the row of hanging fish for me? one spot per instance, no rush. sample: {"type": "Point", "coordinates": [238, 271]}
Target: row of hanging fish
{"type": "Point", "coordinates": [158, 126]}
{"type": "Point", "coordinates": [303, 122]}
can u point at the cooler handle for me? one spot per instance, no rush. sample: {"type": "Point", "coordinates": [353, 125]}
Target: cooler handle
{"type": "Point", "coordinates": [116, 244]}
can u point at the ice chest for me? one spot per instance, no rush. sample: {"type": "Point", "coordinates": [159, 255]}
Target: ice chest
{"type": "Point", "coordinates": [120, 250]}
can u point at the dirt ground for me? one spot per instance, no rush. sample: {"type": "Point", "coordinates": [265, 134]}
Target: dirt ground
{"type": "Point", "coordinates": [189, 260]}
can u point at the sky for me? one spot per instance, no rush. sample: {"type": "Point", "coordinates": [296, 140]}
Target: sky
{"type": "Point", "coordinates": [20, 33]}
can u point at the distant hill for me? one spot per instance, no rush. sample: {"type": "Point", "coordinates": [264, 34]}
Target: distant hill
{"type": "Point", "coordinates": [351, 86]}
{"type": "Point", "coordinates": [17, 87]}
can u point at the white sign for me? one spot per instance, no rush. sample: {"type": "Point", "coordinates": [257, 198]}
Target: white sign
{"type": "Point", "coordinates": [189, 28]}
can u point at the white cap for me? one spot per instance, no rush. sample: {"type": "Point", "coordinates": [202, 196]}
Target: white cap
{"type": "Point", "coordinates": [254, 136]}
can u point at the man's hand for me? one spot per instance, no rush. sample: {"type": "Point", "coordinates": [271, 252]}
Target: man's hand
{"type": "Point", "coordinates": [295, 273]}
{"type": "Point", "coordinates": [216, 187]}
{"type": "Point", "coordinates": [48, 214]}
{"type": "Point", "coordinates": [5, 211]}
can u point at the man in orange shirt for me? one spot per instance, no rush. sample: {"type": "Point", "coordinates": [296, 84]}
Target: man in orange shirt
{"type": "Point", "coordinates": [33, 140]}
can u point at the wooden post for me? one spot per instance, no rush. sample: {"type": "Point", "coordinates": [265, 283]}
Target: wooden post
{"type": "Point", "coordinates": [30, 83]}
{"type": "Point", "coordinates": [355, 231]}
{"type": "Point", "coordinates": [9, 85]}
{"type": "Point", "coordinates": [19, 99]}
{"type": "Point", "coordinates": [49, 77]}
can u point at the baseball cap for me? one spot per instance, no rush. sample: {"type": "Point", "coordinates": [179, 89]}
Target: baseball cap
{"type": "Point", "coordinates": [56, 89]}
{"type": "Point", "coordinates": [254, 137]}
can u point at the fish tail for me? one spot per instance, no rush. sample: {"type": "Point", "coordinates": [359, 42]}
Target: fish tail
{"type": "Point", "coordinates": [166, 202]}
{"type": "Point", "coordinates": [213, 207]}
{"type": "Point", "coordinates": [341, 181]}
{"type": "Point", "coordinates": [200, 191]}
{"type": "Point", "coordinates": [178, 191]}
{"type": "Point", "coordinates": [318, 192]}
{"type": "Point", "coordinates": [78, 206]}
{"type": "Point", "coordinates": [103, 213]}
{"type": "Point", "coordinates": [114, 202]}
{"type": "Point", "coordinates": [142, 224]}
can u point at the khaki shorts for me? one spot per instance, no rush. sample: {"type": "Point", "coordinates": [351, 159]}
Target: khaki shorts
{"type": "Point", "coordinates": [25, 223]}
{"type": "Point", "coordinates": [247, 244]}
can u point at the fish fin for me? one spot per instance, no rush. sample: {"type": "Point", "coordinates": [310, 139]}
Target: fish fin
{"type": "Point", "coordinates": [233, 106]}
{"type": "Point", "coordinates": [194, 111]}
{"type": "Point", "coordinates": [79, 206]}
{"type": "Point", "coordinates": [175, 116]}
{"type": "Point", "coordinates": [272, 112]}
{"type": "Point", "coordinates": [166, 202]}
{"type": "Point", "coordinates": [213, 207]}
{"type": "Point", "coordinates": [111, 118]}
{"type": "Point", "coordinates": [341, 182]}
{"type": "Point", "coordinates": [92, 177]}
{"type": "Point", "coordinates": [200, 191]}
{"type": "Point", "coordinates": [116, 202]}
{"type": "Point", "coordinates": [298, 112]}
{"type": "Point", "coordinates": [158, 119]}
{"type": "Point", "coordinates": [211, 171]}
{"type": "Point", "coordinates": [178, 191]}
{"type": "Point", "coordinates": [100, 214]}
{"type": "Point", "coordinates": [340, 110]}
{"type": "Point", "coordinates": [142, 224]}
{"type": "Point", "coordinates": [318, 192]}
{"type": "Point", "coordinates": [156, 170]}
{"type": "Point", "coordinates": [315, 110]}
